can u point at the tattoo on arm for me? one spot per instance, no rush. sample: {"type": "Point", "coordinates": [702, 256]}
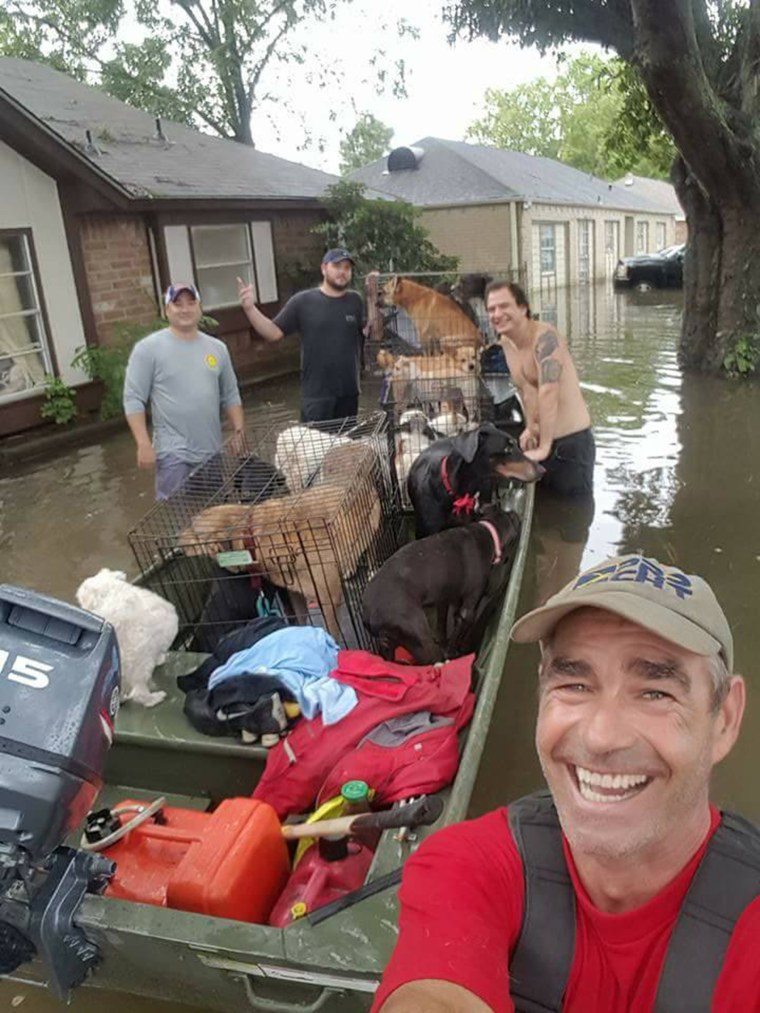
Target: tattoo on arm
{"type": "Point", "coordinates": [551, 371]}
{"type": "Point", "coordinates": [546, 345]}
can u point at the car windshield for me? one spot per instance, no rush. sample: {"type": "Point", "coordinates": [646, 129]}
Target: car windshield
{"type": "Point", "coordinates": [671, 251]}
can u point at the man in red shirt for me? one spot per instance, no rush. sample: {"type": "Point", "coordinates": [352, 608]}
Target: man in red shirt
{"type": "Point", "coordinates": [637, 703]}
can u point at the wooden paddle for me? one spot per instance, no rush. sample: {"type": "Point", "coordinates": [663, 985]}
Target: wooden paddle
{"type": "Point", "coordinates": [421, 813]}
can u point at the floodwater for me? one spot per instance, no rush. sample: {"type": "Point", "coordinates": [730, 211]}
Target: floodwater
{"type": "Point", "coordinates": [678, 477]}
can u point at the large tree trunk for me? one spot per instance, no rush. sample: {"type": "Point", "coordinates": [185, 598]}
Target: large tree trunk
{"type": "Point", "coordinates": [716, 177]}
{"type": "Point", "coordinates": [701, 286]}
{"type": "Point", "coordinates": [721, 279]}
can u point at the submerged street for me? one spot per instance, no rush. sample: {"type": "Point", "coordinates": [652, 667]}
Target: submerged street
{"type": "Point", "coordinates": [677, 477]}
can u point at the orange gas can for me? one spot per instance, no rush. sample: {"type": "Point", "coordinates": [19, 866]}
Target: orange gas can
{"type": "Point", "coordinates": [231, 863]}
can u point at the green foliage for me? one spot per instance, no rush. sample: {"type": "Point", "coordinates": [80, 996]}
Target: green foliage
{"type": "Point", "coordinates": [368, 140]}
{"type": "Point", "coordinates": [383, 235]}
{"type": "Point", "coordinates": [203, 62]}
{"type": "Point", "coordinates": [595, 116]}
{"type": "Point", "coordinates": [60, 401]}
{"type": "Point", "coordinates": [108, 363]}
{"type": "Point", "coordinates": [743, 358]}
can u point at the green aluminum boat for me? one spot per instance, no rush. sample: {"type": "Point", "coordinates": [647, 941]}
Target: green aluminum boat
{"type": "Point", "coordinates": [331, 963]}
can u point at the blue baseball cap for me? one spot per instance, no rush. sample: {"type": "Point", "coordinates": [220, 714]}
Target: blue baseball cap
{"type": "Point", "coordinates": [176, 288]}
{"type": "Point", "coordinates": [333, 256]}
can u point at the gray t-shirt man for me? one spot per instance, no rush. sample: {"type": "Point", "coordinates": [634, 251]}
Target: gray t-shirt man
{"type": "Point", "coordinates": [187, 383]}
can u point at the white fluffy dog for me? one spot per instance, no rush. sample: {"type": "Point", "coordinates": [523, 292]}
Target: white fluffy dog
{"type": "Point", "coordinates": [300, 452]}
{"type": "Point", "coordinates": [145, 626]}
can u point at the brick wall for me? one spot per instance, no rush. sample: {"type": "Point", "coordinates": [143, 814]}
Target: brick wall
{"type": "Point", "coordinates": [119, 274]}
{"type": "Point", "coordinates": [297, 250]}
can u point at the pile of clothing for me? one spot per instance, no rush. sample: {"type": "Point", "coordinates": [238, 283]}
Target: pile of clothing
{"type": "Point", "coordinates": [263, 676]}
{"type": "Point", "coordinates": [348, 715]}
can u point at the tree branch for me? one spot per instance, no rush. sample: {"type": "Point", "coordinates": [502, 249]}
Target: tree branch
{"type": "Point", "coordinates": [261, 66]}
{"type": "Point", "coordinates": [670, 62]}
{"type": "Point", "coordinates": [547, 24]}
{"type": "Point", "coordinates": [203, 28]}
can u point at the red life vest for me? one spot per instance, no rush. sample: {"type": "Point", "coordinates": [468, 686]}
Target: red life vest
{"type": "Point", "coordinates": [297, 767]}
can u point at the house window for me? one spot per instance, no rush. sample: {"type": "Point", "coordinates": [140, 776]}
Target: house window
{"type": "Point", "coordinates": [548, 248]}
{"type": "Point", "coordinates": [222, 254]}
{"type": "Point", "coordinates": [24, 352]}
{"type": "Point", "coordinates": [660, 231]}
{"type": "Point", "coordinates": [612, 239]}
{"type": "Point", "coordinates": [642, 237]}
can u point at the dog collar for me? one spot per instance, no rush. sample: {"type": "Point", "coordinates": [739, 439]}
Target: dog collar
{"type": "Point", "coordinates": [496, 543]}
{"type": "Point", "coordinates": [445, 477]}
{"type": "Point", "coordinates": [465, 504]}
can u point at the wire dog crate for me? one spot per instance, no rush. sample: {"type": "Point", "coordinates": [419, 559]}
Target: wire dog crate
{"type": "Point", "coordinates": [441, 366]}
{"type": "Point", "coordinates": [293, 522]}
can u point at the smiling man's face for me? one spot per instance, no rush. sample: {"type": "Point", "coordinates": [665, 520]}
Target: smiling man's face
{"type": "Point", "coordinates": [628, 734]}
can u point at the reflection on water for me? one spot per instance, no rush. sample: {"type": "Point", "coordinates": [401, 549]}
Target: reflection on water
{"type": "Point", "coordinates": [677, 477]}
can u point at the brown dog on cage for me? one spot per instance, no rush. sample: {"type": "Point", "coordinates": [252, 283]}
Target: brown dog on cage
{"type": "Point", "coordinates": [307, 543]}
{"type": "Point", "coordinates": [440, 323]}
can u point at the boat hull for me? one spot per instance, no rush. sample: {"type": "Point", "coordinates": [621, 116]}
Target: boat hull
{"type": "Point", "coordinates": [216, 964]}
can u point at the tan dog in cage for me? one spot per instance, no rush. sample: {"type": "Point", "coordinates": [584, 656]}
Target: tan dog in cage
{"type": "Point", "coordinates": [463, 362]}
{"type": "Point", "coordinates": [440, 323]}
{"type": "Point", "coordinates": [308, 543]}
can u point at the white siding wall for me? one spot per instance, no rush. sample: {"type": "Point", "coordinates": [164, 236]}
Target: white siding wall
{"type": "Point", "coordinates": [569, 216]}
{"type": "Point", "coordinates": [29, 200]}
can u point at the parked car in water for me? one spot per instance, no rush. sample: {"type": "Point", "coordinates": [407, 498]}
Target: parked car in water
{"type": "Point", "coordinates": [651, 270]}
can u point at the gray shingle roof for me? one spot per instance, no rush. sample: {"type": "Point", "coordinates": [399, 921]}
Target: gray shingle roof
{"type": "Point", "coordinates": [656, 191]}
{"type": "Point", "coordinates": [457, 173]}
{"type": "Point", "coordinates": [190, 165]}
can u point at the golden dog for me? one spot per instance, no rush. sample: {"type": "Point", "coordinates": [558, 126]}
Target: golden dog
{"type": "Point", "coordinates": [440, 323]}
{"type": "Point", "coordinates": [436, 367]}
{"type": "Point", "coordinates": [305, 543]}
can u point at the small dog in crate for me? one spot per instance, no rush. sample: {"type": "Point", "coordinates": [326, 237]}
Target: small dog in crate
{"type": "Point", "coordinates": [145, 626]}
{"type": "Point", "coordinates": [436, 317]}
{"type": "Point", "coordinates": [414, 434]}
{"type": "Point", "coordinates": [463, 361]}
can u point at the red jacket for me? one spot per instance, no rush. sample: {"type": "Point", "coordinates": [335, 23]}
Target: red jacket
{"type": "Point", "coordinates": [299, 765]}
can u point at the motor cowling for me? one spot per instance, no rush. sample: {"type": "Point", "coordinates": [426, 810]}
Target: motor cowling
{"type": "Point", "coordinates": [59, 695]}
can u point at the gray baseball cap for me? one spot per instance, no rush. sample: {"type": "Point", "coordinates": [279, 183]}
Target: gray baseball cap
{"type": "Point", "coordinates": [679, 607]}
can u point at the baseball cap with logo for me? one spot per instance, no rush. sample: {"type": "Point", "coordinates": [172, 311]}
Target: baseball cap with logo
{"type": "Point", "coordinates": [173, 291]}
{"type": "Point", "coordinates": [333, 256]}
{"type": "Point", "coordinates": [679, 607]}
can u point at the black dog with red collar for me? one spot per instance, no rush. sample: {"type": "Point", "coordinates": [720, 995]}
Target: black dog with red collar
{"type": "Point", "coordinates": [452, 480]}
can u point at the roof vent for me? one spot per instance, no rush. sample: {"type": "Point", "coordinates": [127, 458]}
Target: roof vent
{"type": "Point", "coordinates": [628, 181]}
{"type": "Point", "coordinates": [160, 135]}
{"type": "Point", "coordinates": [90, 147]}
{"type": "Point", "coordinates": [404, 158]}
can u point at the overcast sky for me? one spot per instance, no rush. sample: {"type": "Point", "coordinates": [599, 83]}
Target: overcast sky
{"type": "Point", "coordinates": [445, 83]}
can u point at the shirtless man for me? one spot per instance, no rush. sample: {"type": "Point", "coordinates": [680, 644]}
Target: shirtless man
{"type": "Point", "coordinates": [558, 424]}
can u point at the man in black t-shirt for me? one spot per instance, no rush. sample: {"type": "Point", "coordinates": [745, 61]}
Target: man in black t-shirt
{"type": "Point", "coordinates": [330, 320]}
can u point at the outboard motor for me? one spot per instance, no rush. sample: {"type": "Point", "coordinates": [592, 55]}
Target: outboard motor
{"type": "Point", "coordinates": [59, 694]}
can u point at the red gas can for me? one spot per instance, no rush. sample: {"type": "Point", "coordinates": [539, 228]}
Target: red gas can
{"type": "Point", "coordinates": [231, 863]}
{"type": "Point", "coordinates": [327, 871]}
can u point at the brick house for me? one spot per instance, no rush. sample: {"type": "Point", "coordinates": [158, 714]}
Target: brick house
{"type": "Point", "coordinates": [101, 205]}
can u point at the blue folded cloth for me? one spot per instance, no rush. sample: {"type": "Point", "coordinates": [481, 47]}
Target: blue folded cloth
{"type": "Point", "coordinates": [301, 659]}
